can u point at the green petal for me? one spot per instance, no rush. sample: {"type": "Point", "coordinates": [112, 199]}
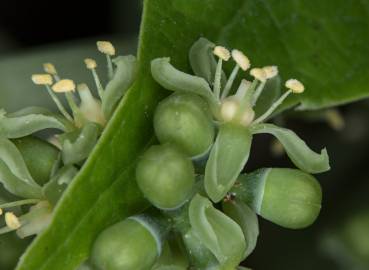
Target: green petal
{"type": "Point", "coordinates": [219, 233]}
{"type": "Point", "coordinates": [202, 60]}
{"type": "Point", "coordinates": [39, 166]}
{"type": "Point", "coordinates": [21, 126]}
{"type": "Point", "coordinates": [173, 79]}
{"type": "Point", "coordinates": [297, 150]}
{"type": "Point", "coordinates": [247, 219]}
{"type": "Point", "coordinates": [54, 189]}
{"type": "Point", "coordinates": [78, 149]}
{"type": "Point", "coordinates": [14, 174]}
{"type": "Point", "coordinates": [227, 158]}
{"type": "Point", "coordinates": [124, 76]}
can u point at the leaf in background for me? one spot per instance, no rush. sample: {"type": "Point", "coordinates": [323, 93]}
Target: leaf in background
{"type": "Point", "coordinates": [324, 43]}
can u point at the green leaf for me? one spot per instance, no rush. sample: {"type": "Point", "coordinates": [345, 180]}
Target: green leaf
{"type": "Point", "coordinates": [300, 154]}
{"type": "Point", "coordinates": [227, 158]}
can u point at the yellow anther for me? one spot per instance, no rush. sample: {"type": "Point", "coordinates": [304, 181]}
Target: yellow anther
{"type": "Point", "coordinates": [270, 71]}
{"type": "Point", "coordinates": [241, 59]}
{"type": "Point", "coordinates": [259, 74]}
{"type": "Point", "coordinates": [65, 85]}
{"type": "Point", "coordinates": [1, 211]}
{"type": "Point", "coordinates": [295, 86]}
{"type": "Point", "coordinates": [106, 47]}
{"type": "Point", "coordinates": [49, 68]}
{"type": "Point", "coordinates": [12, 221]}
{"type": "Point", "coordinates": [222, 53]}
{"type": "Point", "coordinates": [90, 63]}
{"type": "Point", "coordinates": [42, 79]}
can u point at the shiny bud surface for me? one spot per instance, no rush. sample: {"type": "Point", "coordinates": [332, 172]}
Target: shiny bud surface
{"type": "Point", "coordinates": [184, 120]}
{"type": "Point", "coordinates": [125, 245]}
{"type": "Point", "coordinates": [288, 197]}
{"type": "Point", "coordinates": [165, 176]}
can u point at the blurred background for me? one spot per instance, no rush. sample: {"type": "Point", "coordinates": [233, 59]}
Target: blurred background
{"type": "Point", "coordinates": [34, 32]}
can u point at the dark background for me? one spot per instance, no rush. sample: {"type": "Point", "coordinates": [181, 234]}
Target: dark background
{"type": "Point", "coordinates": [25, 25]}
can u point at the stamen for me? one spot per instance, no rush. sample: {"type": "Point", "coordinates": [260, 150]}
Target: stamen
{"type": "Point", "coordinates": [218, 76]}
{"type": "Point", "coordinates": [241, 62]}
{"type": "Point", "coordinates": [108, 49]}
{"type": "Point", "coordinates": [64, 86]}
{"type": "Point", "coordinates": [19, 203]}
{"type": "Point", "coordinates": [42, 79]}
{"type": "Point", "coordinates": [262, 75]}
{"type": "Point", "coordinates": [241, 59]}
{"type": "Point", "coordinates": [222, 53]}
{"type": "Point", "coordinates": [67, 86]}
{"type": "Point", "coordinates": [91, 65]}
{"type": "Point", "coordinates": [50, 69]}
{"type": "Point", "coordinates": [1, 211]}
{"type": "Point", "coordinates": [12, 221]}
{"type": "Point", "coordinates": [270, 71]}
{"type": "Point", "coordinates": [273, 107]}
{"type": "Point", "coordinates": [259, 74]}
{"type": "Point", "coordinates": [295, 86]}
{"type": "Point", "coordinates": [46, 79]}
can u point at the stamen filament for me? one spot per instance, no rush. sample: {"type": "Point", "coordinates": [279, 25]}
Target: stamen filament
{"type": "Point", "coordinates": [100, 89]}
{"type": "Point", "coordinates": [91, 65]}
{"type": "Point", "coordinates": [110, 67]}
{"type": "Point", "coordinates": [218, 76]}
{"type": "Point", "coordinates": [60, 106]}
{"type": "Point", "coordinates": [18, 203]}
{"type": "Point", "coordinates": [257, 93]}
{"type": "Point", "coordinates": [5, 230]}
{"type": "Point", "coordinates": [273, 107]}
{"type": "Point", "coordinates": [230, 81]}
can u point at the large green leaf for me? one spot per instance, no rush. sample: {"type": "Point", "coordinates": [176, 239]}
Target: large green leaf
{"type": "Point", "coordinates": [324, 43]}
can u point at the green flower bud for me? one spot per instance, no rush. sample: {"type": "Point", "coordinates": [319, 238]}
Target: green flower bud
{"type": "Point", "coordinates": [184, 120]}
{"type": "Point", "coordinates": [165, 176]}
{"type": "Point", "coordinates": [39, 156]}
{"type": "Point", "coordinates": [132, 244]}
{"type": "Point", "coordinates": [288, 197]}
